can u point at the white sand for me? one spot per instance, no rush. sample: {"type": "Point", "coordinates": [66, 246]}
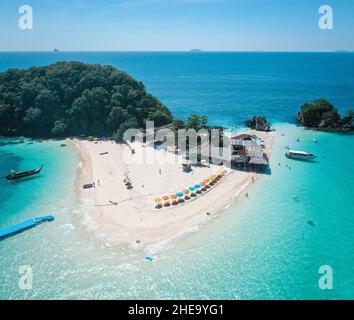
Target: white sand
{"type": "Point", "coordinates": [135, 217]}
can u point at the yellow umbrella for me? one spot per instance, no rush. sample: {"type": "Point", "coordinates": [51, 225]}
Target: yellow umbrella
{"type": "Point", "coordinates": [174, 199]}
{"type": "Point", "coordinates": [158, 202]}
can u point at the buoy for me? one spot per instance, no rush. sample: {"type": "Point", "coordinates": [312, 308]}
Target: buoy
{"type": "Point", "coordinates": [149, 258]}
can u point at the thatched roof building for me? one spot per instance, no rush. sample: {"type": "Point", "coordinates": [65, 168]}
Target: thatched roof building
{"type": "Point", "coordinates": [244, 136]}
{"type": "Point", "coordinates": [259, 161]}
{"type": "Point", "coordinates": [247, 150]}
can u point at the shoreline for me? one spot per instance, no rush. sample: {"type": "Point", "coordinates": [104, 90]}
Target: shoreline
{"type": "Point", "coordinates": [134, 221]}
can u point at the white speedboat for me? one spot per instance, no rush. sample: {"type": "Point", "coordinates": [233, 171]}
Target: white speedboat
{"type": "Point", "coordinates": [300, 155]}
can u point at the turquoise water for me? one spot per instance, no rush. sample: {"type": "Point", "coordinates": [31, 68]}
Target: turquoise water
{"type": "Point", "coordinates": [22, 199]}
{"type": "Point", "coordinates": [260, 248]}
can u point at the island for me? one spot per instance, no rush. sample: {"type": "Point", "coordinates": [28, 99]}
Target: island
{"type": "Point", "coordinates": [73, 99]}
{"type": "Point", "coordinates": [322, 115]}
{"type": "Point", "coordinates": [137, 192]}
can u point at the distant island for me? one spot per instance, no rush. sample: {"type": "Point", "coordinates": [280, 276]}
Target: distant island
{"type": "Point", "coordinates": [322, 115]}
{"type": "Point", "coordinates": [73, 99]}
{"type": "Point", "coordinates": [196, 50]}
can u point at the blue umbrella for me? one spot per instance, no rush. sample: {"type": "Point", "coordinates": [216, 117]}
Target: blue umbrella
{"type": "Point", "coordinates": [197, 186]}
{"type": "Point", "coordinates": [179, 194]}
{"type": "Point", "coordinates": [191, 189]}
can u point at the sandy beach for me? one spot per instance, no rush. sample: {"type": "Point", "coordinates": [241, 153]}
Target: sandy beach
{"type": "Point", "coordinates": [120, 215]}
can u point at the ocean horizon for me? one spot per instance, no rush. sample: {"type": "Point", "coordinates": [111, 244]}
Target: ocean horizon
{"type": "Point", "coordinates": [260, 247]}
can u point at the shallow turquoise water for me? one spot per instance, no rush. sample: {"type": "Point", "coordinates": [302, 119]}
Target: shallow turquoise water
{"type": "Point", "coordinates": [260, 248]}
{"type": "Point", "coordinates": [39, 194]}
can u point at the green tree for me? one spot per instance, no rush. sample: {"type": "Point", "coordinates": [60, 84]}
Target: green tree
{"type": "Point", "coordinates": [116, 117]}
{"type": "Point", "coordinates": [196, 122]}
{"type": "Point", "coordinates": [32, 116]}
{"type": "Point", "coordinates": [128, 124]}
{"type": "Point", "coordinates": [60, 128]}
{"type": "Point", "coordinates": [348, 119]}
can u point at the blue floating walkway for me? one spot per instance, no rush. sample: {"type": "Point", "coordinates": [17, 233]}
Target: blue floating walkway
{"type": "Point", "coordinates": [4, 233]}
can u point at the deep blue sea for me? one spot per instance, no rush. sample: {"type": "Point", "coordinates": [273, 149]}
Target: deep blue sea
{"type": "Point", "coordinates": [228, 87]}
{"type": "Point", "coordinates": [260, 248]}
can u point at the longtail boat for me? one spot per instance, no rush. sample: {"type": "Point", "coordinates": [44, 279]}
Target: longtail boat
{"type": "Point", "coordinates": [23, 174]}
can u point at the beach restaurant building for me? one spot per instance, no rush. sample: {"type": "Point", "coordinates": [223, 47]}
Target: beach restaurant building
{"type": "Point", "coordinates": [247, 152]}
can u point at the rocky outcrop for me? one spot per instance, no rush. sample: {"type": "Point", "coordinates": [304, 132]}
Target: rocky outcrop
{"type": "Point", "coordinates": [259, 123]}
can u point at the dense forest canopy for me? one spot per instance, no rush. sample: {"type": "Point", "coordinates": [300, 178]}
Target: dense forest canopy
{"type": "Point", "coordinates": [73, 98]}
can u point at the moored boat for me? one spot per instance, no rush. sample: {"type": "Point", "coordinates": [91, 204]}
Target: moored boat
{"type": "Point", "coordinates": [89, 185]}
{"type": "Point", "coordinates": [23, 174]}
{"type": "Point", "coordinates": [300, 155]}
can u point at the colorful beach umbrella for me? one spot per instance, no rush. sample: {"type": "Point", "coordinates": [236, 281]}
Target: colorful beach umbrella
{"type": "Point", "coordinates": [191, 189]}
{"type": "Point", "coordinates": [179, 194]}
{"type": "Point", "coordinates": [165, 198]}
{"type": "Point", "coordinates": [158, 202]}
{"type": "Point", "coordinates": [197, 186]}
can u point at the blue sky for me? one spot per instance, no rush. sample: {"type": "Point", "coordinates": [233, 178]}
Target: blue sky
{"type": "Point", "coordinates": [174, 25]}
